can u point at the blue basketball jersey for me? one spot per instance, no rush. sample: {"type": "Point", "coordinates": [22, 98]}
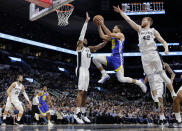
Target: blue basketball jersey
{"type": "Point", "coordinates": [42, 98]}
{"type": "Point", "coordinates": [117, 46]}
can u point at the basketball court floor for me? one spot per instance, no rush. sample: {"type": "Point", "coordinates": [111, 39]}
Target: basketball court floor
{"type": "Point", "coordinates": [90, 127]}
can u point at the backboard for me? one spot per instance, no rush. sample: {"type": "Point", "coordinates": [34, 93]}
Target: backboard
{"type": "Point", "coordinates": [35, 12]}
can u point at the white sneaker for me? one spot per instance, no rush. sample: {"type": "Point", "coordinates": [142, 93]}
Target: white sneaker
{"type": "Point", "coordinates": [36, 116]}
{"type": "Point", "coordinates": [50, 124]}
{"type": "Point", "coordinates": [78, 119]}
{"type": "Point", "coordinates": [84, 118]}
{"type": "Point", "coordinates": [3, 124]}
{"type": "Point", "coordinates": [143, 86]}
{"type": "Point", "coordinates": [104, 78]}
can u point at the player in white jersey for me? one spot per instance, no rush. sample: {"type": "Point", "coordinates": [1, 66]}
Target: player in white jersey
{"type": "Point", "coordinates": [82, 72]}
{"type": "Point", "coordinates": [12, 100]}
{"type": "Point", "coordinates": [157, 89]}
{"type": "Point", "coordinates": [149, 55]}
{"type": "Point", "coordinates": [177, 108]}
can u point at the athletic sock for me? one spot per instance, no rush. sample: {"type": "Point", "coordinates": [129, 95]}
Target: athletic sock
{"type": "Point", "coordinates": [83, 110]}
{"type": "Point", "coordinates": [103, 72]}
{"type": "Point", "coordinates": [162, 117]}
{"type": "Point", "coordinates": [178, 117]}
{"type": "Point", "coordinates": [173, 93]}
{"type": "Point", "coordinates": [156, 100]}
{"type": "Point", "coordinates": [19, 118]}
{"type": "Point", "coordinates": [49, 121]}
{"type": "Point", "coordinates": [4, 117]}
{"type": "Point", "coordinates": [77, 110]}
{"type": "Point", "coordinates": [138, 83]}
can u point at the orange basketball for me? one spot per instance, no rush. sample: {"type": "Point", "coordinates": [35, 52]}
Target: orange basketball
{"type": "Point", "coordinates": [97, 18]}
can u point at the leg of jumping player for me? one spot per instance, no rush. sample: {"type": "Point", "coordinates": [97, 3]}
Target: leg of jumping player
{"type": "Point", "coordinates": [99, 61]}
{"type": "Point", "coordinates": [159, 69]}
{"type": "Point", "coordinates": [123, 79]}
{"type": "Point", "coordinates": [79, 100]}
{"type": "Point", "coordinates": [176, 106]}
{"type": "Point", "coordinates": [161, 114]}
{"type": "Point", "coordinates": [83, 106]}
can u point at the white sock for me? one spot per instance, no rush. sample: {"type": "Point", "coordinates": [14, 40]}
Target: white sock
{"type": "Point", "coordinates": [4, 117]}
{"type": "Point", "coordinates": [19, 118]}
{"type": "Point", "coordinates": [155, 98]}
{"type": "Point", "coordinates": [162, 117]}
{"type": "Point", "coordinates": [103, 72]}
{"type": "Point", "coordinates": [138, 83]}
{"type": "Point", "coordinates": [49, 121]}
{"type": "Point", "coordinates": [178, 116]}
{"type": "Point", "coordinates": [83, 109]}
{"type": "Point", "coordinates": [77, 110]}
{"type": "Point", "coordinates": [173, 93]}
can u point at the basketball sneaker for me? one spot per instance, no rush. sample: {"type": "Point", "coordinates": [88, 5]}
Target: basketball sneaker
{"type": "Point", "coordinates": [104, 78]}
{"type": "Point", "coordinates": [19, 124]}
{"type": "Point", "coordinates": [50, 124]}
{"type": "Point", "coordinates": [4, 123]}
{"type": "Point", "coordinates": [85, 118]}
{"type": "Point", "coordinates": [78, 118]}
{"type": "Point", "coordinates": [177, 124]}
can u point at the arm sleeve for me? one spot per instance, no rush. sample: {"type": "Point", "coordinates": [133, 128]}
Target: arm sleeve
{"type": "Point", "coordinates": [25, 95]}
{"type": "Point", "coordinates": [84, 29]}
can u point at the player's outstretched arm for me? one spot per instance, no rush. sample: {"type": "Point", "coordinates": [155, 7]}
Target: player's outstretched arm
{"type": "Point", "coordinates": [83, 32]}
{"type": "Point", "coordinates": [171, 72]}
{"type": "Point", "coordinates": [127, 18]}
{"type": "Point", "coordinates": [98, 47]}
{"type": "Point", "coordinates": [161, 40]}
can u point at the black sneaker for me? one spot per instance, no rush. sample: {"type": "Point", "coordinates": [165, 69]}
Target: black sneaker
{"type": "Point", "coordinates": [18, 123]}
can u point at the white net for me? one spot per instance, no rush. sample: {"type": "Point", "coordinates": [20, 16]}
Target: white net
{"type": "Point", "coordinates": [64, 13]}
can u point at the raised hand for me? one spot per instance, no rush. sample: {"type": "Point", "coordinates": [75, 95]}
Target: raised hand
{"type": "Point", "coordinates": [117, 9]}
{"type": "Point", "coordinates": [87, 17]}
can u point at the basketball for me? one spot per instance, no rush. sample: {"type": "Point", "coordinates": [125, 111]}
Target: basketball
{"type": "Point", "coordinates": [97, 18]}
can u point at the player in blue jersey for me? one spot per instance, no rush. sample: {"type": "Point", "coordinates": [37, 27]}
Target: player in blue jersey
{"type": "Point", "coordinates": [44, 109]}
{"type": "Point", "coordinates": [116, 60]}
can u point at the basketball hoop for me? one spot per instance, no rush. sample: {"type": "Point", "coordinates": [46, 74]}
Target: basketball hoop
{"type": "Point", "coordinates": [64, 13]}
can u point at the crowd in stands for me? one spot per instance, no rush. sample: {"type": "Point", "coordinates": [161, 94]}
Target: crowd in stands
{"type": "Point", "coordinates": [112, 102]}
{"type": "Point", "coordinates": [103, 105]}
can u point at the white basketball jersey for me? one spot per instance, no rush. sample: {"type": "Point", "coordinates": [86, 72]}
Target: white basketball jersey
{"type": "Point", "coordinates": [84, 58]}
{"type": "Point", "coordinates": [146, 40]}
{"type": "Point", "coordinates": [16, 91]}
